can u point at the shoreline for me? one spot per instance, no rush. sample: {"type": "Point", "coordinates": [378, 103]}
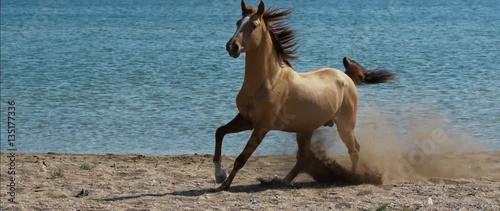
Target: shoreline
{"type": "Point", "coordinates": [196, 154]}
{"type": "Point", "coordinates": [154, 155]}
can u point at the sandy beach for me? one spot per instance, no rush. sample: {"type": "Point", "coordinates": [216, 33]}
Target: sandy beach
{"type": "Point", "coordinates": [137, 182]}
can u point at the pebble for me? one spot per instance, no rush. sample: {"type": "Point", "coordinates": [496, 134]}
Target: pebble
{"type": "Point", "coordinates": [429, 201]}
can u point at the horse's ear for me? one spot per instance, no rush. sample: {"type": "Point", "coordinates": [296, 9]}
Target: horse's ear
{"type": "Point", "coordinates": [244, 9]}
{"type": "Point", "coordinates": [261, 8]}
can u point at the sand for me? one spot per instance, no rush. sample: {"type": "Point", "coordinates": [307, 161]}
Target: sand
{"type": "Point", "coordinates": [137, 182]}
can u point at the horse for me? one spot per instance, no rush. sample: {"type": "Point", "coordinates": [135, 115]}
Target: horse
{"type": "Point", "coordinates": [276, 97]}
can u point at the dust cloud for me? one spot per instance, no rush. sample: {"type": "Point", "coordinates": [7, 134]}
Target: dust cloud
{"type": "Point", "coordinates": [397, 148]}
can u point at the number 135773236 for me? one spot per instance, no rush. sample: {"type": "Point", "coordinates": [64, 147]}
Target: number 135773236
{"type": "Point", "coordinates": [11, 125]}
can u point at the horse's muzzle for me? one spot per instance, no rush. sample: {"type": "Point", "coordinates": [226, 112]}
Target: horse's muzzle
{"type": "Point", "coordinates": [233, 49]}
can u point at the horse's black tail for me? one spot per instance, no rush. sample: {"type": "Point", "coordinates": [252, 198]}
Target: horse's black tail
{"type": "Point", "coordinates": [361, 76]}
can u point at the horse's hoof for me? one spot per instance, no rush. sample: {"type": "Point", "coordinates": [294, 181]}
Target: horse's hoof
{"type": "Point", "coordinates": [220, 176]}
{"type": "Point", "coordinates": [223, 188]}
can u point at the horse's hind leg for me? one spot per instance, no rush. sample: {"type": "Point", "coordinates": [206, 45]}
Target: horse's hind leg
{"type": "Point", "coordinates": [303, 142]}
{"type": "Point", "coordinates": [346, 133]}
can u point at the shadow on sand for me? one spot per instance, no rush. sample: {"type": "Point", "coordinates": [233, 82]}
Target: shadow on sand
{"type": "Point", "coordinates": [255, 188]}
{"type": "Point", "coordinates": [326, 173]}
{"type": "Point", "coordinates": [121, 198]}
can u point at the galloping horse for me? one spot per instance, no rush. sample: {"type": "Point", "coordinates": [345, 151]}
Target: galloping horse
{"type": "Point", "coordinates": [275, 97]}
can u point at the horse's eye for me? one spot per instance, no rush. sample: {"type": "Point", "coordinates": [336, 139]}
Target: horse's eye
{"type": "Point", "coordinates": [254, 26]}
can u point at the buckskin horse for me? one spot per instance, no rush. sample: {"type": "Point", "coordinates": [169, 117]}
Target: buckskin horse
{"type": "Point", "coordinates": [275, 97]}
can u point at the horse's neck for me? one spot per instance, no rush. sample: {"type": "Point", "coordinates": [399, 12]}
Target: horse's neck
{"type": "Point", "coordinates": [262, 66]}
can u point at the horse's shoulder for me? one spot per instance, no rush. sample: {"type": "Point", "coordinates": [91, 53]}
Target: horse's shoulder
{"type": "Point", "coordinates": [242, 98]}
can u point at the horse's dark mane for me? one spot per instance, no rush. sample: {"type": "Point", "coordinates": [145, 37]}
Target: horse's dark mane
{"type": "Point", "coordinates": [284, 38]}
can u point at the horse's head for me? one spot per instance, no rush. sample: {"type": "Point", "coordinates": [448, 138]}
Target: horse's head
{"type": "Point", "coordinates": [249, 30]}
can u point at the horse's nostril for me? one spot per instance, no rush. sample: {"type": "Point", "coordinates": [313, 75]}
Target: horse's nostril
{"type": "Point", "coordinates": [234, 46]}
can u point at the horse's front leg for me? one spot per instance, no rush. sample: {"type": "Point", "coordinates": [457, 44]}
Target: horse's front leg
{"type": "Point", "coordinates": [252, 144]}
{"type": "Point", "coordinates": [238, 124]}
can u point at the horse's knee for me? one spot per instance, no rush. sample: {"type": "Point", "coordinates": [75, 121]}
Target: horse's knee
{"type": "Point", "coordinates": [220, 132]}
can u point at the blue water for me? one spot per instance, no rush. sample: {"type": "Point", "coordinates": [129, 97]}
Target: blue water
{"type": "Point", "coordinates": [153, 77]}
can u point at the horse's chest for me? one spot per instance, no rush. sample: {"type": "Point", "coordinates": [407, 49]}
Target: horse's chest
{"type": "Point", "coordinates": [254, 108]}
{"type": "Point", "coordinates": [247, 109]}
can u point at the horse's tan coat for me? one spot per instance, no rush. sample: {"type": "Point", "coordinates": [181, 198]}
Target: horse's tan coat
{"type": "Point", "coordinates": [275, 97]}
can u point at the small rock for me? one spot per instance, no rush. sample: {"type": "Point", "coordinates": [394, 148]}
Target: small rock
{"type": "Point", "coordinates": [429, 201]}
{"type": "Point", "coordinates": [82, 193]}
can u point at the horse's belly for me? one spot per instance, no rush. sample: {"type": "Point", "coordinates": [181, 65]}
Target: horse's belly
{"type": "Point", "coordinates": [301, 119]}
